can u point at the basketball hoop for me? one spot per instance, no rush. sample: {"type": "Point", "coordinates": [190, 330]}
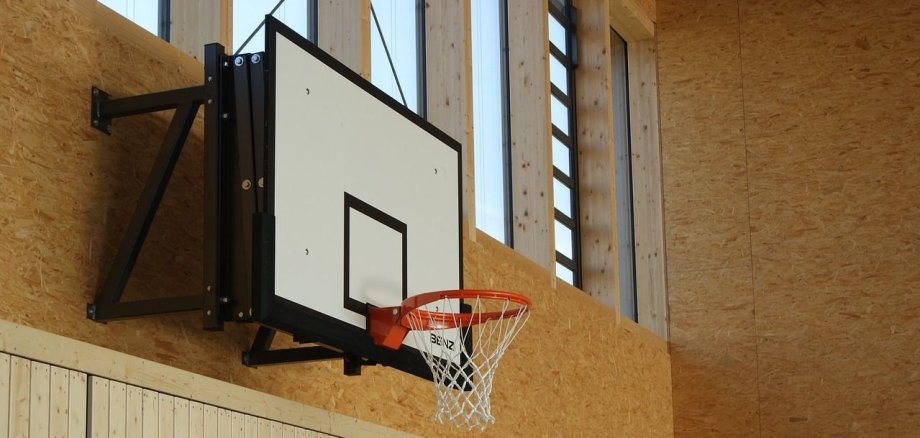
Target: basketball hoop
{"type": "Point", "coordinates": [444, 331]}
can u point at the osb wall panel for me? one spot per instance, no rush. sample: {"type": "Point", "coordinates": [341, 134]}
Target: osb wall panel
{"type": "Point", "coordinates": [703, 157]}
{"type": "Point", "coordinates": [704, 181]}
{"type": "Point", "coordinates": [712, 352]}
{"type": "Point", "coordinates": [829, 94]}
{"type": "Point", "coordinates": [608, 376]}
{"type": "Point", "coordinates": [68, 191]}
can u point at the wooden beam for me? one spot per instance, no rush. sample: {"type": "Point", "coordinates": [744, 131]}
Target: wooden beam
{"type": "Point", "coordinates": [531, 160]}
{"type": "Point", "coordinates": [631, 20]}
{"type": "Point", "coordinates": [344, 32]}
{"type": "Point", "coordinates": [648, 213]}
{"type": "Point", "coordinates": [449, 84]}
{"type": "Point", "coordinates": [596, 155]}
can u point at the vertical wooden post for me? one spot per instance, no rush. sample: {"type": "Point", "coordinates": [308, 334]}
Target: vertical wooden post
{"type": "Point", "coordinates": [344, 32]}
{"type": "Point", "coordinates": [531, 160]}
{"type": "Point", "coordinates": [449, 85]}
{"type": "Point", "coordinates": [194, 23]}
{"type": "Point", "coordinates": [596, 155]}
{"type": "Point", "coordinates": [648, 212]}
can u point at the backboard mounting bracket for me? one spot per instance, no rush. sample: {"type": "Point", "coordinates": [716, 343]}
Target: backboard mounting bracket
{"type": "Point", "coordinates": [261, 354]}
{"type": "Point", "coordinates": [108, 304]}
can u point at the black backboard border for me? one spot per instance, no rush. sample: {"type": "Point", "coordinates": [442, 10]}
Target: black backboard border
{"type": "Point", "coordinates": [307, 325]}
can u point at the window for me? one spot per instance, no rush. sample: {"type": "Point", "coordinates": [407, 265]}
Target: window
{"type": "Point", "coordinates": [152, 15]}
{"type": "Point", "coordinates": [626, 249]}
{"type": "Point", "coordinates": [248, 15]}
{"type": "Point", "coordinates": [565, 158]}
{"type": "Point", "coordinates": [490, 118]}
{"type": "Point", "coordinates": [398, 50]}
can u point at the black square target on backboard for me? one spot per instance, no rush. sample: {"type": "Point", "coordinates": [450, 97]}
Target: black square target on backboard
{"type": "Point", "coordinates": [369, 278]}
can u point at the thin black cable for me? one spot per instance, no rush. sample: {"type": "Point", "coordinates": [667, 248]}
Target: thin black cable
{"type": "Point", "coordinates": [390, 59]}
{"type": "Point", "coordinates": [253, 34]}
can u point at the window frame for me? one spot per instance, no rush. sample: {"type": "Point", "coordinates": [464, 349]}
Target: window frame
{"type": "Point", "coordinates": [421, 72]}
{"type": "Point", "coordinates": [624, 144]}
{"type": "Point", "coordinates": [311, 31]}
{"type": "Point", "coordinates": [164, 21]}
{"type": "Point", "coordinates": [565, 15]}
{"type": "Point", "coordinates": [505, 80]}
{"type": "Point", "coordinates": [313, 21]}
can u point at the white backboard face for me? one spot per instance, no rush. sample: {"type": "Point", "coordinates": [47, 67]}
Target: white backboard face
{"type": "Point", "coordinates": [365, 199]}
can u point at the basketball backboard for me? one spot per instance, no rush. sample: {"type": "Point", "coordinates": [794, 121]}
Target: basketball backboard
{"type": "Point", "coordinates": [364, 196]}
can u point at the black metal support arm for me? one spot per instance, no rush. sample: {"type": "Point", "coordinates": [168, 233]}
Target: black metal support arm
{"type": "Point", "coordinates": [261, 354]}
{"type": "Point", "coordinates": [108, 304]}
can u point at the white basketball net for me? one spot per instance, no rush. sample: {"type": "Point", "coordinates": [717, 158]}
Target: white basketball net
{"type": "Point", "coordinates": [490, 339]}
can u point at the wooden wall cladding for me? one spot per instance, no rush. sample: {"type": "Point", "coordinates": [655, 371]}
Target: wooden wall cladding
{"type": "Point", "coordinates": [792, 188]}
{"type": "Point", "coordinates": [117, 410]}
{"type": "Point", "coordinates": [68, 190]}
{"type": "Point", "coordinates": [37, 399]}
